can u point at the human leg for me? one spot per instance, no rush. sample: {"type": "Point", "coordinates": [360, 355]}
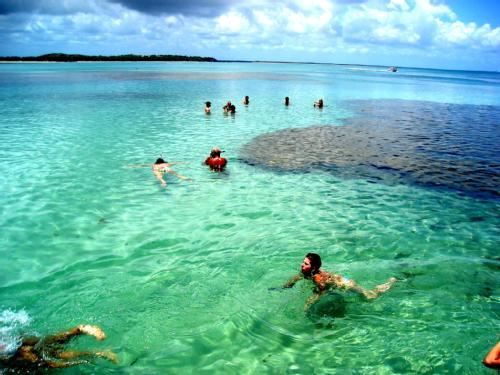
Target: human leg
{"type": "Point", "coordinates": [178, 175]}
{"type": "Point", "coordinates": [159, 177]}
{"type": "Point", "coordinates": [379, 289]}
{"type": "Point", "coordinates": [74, 354]}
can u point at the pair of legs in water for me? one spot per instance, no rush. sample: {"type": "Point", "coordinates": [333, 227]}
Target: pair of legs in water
{"type": "Point", "coordinates": [49, 351]}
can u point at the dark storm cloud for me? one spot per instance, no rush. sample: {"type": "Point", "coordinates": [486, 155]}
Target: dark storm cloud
{"type": "Point", "coordinates": [203, 8]}
{"type": "Point", "coordinates": [52, 7]}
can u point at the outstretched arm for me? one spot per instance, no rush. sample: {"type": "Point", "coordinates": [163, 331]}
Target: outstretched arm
{"type": "Point", "coordinates": [290, 283]}
{"type": "Point", "coordinates": [139, 165]}
{"type": "Point", "coordinates": [64, 337]}
{"type": "Point", "coordinates": [314, 298]}
{"type": "Point", "coordinates": [492, 359]}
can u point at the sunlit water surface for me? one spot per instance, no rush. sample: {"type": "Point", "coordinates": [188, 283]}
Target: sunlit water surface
{"type": "Point", "coordinates": [180, 278]}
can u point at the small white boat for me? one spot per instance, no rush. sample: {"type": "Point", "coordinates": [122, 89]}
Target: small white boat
{"type": "Point", "coordinates": [392, 69]}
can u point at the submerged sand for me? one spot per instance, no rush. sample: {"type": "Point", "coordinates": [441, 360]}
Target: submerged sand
{"type": "Point", "coordinates": [442, 145]}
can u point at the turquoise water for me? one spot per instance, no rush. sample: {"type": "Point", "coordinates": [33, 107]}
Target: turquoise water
{"type": "Point", "coordinates": [179, 278]}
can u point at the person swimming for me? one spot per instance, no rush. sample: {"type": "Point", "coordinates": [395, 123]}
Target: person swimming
{"type": "Point", "coordinates": [323, 281]}
{"type": "Point", "coordinates": [32, 353]}
{"type": "Point", "coordinates": [160, 167]}
{"type": "Point", "coordinates": [287, 101]}
{"type": "Point", "coordinates": [246, 100]}
{"type": "Point", "coordinates": [208, 108]}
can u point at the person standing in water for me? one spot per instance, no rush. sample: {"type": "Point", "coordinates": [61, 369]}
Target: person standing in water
{"type": "Point", "coordinates": [215, 161]}
{"type": "Point", "coordinates": [208, 108]}
{"type": "Point", "coordinates": [246, 100]}
{"type": "Point", "coordinates": [319, 103]}
{"type": "Point", "coordinates": [324, 281]}
{"type": "Point", "coordinates": [227, 107]}
{"type": "Point", "coordinates": [287, 101]}
{"type": "Point", "coordinates": [33, 353]}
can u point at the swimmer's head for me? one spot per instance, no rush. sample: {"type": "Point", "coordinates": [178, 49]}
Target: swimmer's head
{"type": "Point", "coordinates": [215, 153]}
{"type": "Point", "coordinates": [208, 104]}
{"type": "Point", "coordinates": [160, 161]}
{"type": "Point", "coordinates": [311, 264]}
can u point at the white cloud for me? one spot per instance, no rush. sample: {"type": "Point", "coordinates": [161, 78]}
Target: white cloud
{"type": "Point", "coordinates": [317, 26]}
{"type": "Point", "coordinates": [231, 22]}
{"type": "Point", "coordinates": [468, 35]}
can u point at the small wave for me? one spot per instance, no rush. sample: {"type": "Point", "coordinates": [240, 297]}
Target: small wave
{"type": "Point", "coordinates": [16, 318]}
{"type": "Point", "coordinates": [368, 70]}
{"type": "Point", "coordinates": [11, 323]}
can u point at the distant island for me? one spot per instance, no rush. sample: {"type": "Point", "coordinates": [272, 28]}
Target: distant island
{"type": "Point", "coordinates": [63, 57]}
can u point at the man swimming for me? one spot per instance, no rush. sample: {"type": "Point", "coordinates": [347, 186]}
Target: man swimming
{"type": "Point", "coordinates": [43, 352]}
{"type": "Point", "coordinates": [323, 281]}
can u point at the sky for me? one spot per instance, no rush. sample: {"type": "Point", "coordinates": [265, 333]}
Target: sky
{"type": "Point", "coordinates": [447, 34]}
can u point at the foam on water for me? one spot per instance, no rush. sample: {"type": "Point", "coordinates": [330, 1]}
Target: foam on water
{"type": "Point", "coordinates": [11, 325]}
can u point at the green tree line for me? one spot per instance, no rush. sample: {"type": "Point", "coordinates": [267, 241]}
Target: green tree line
{"type": "Point", "coordinates": [63, 57]}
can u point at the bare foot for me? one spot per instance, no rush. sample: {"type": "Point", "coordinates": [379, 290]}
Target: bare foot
{"type": "Point", "coordinates": [92, 331]}
{"type": "Point", "coordinates": [386, 286]}
{"type": "Point", "coordinates": [109, 355]}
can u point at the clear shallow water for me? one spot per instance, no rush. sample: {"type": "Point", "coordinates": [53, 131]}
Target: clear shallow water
{"type": "Point", "coordinates": [179, 278]}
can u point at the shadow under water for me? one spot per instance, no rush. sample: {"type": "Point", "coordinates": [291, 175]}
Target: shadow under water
{"type": "Point", "coordinates": [450, 146]}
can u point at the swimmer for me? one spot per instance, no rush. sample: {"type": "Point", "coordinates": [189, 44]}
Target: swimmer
{"type": "Point", "coordinates": [246, 100]}
{"type": "Point", "coordinates": [38, 352]}
{"type": "Point", "coordinates": [319, 103]}
{"type": "Point", "coordinates": [323, 281]}
{"type": "Point", "coordinates": [208, 108]}
{"type": "Point", "coordinates": [287, 101]}
{"type": "Point", "coordinates": [232, 109]}
{"type": "Point", "coordinates": [160, 167]}
{"type": "Point", "coordinates": [215, 161]}
{"type": "Point", "coordinates": [492, 359]}
{"type": "Point", "coordinates": [227, 107]}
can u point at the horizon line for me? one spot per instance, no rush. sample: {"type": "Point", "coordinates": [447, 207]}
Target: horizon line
{"type": "Point", "coordinates": [191, 58]}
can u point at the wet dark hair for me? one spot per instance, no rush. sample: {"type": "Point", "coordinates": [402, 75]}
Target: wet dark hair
{"type": "Point", "coordinates": [233, 108]}
{"type": "Point", "coordinates": [315, 261]}
{"type": "Point", "coordinates": [160, 161]}
{"type": "Point", "coordinates": [287, 100]}
{"type": "Point", "coordinates": [215, 154]}
{"type": "Point", "coordinates": [208, 104]}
